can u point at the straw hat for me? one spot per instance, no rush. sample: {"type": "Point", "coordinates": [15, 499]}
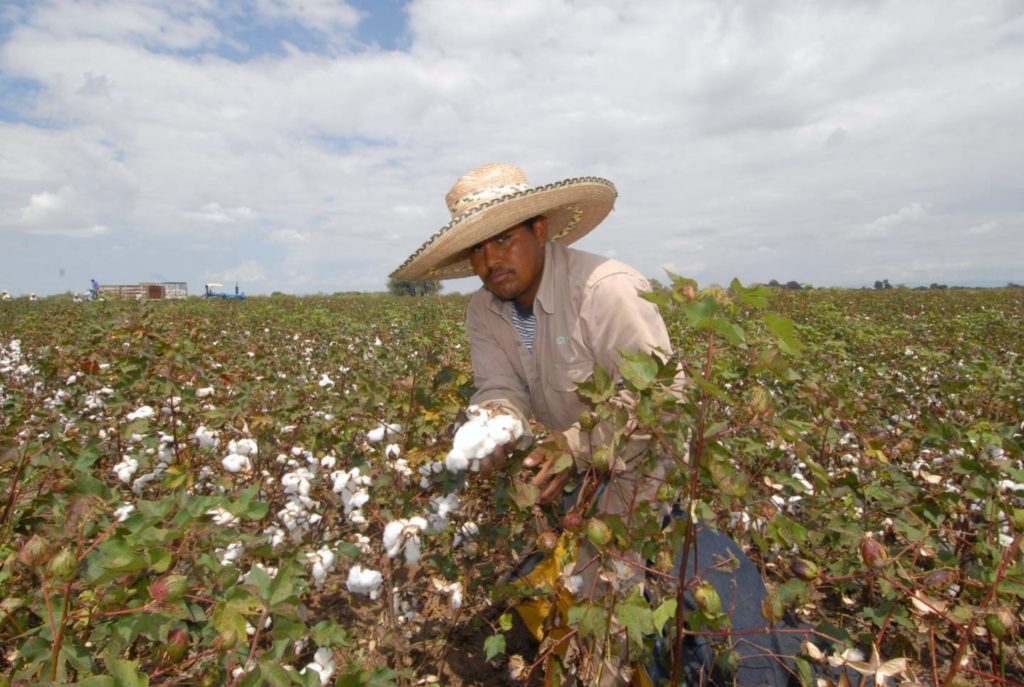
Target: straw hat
{"type": "Point", "coordinates": [493, 198]}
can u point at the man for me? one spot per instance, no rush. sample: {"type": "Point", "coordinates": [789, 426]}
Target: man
{"type": "Point", "coordinates": [545, 316]}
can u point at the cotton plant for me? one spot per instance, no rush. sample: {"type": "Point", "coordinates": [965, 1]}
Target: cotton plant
{"type": "Point", "coordinates": [482, 433]}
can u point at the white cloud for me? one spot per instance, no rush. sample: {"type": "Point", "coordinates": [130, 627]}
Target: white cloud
{"type": "Point", "coordinates": [882, 226]}
{"type": "Point", "coordinates": [726, 128]}
{"type": "Point", "coordinates": [213, 213]}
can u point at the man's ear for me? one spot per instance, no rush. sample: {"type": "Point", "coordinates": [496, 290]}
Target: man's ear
{"type": "Point", "coordinates": [540, 229]}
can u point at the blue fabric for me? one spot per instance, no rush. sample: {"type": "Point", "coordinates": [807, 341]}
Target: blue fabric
{"type": "Point", "coordinates": [764, 653]}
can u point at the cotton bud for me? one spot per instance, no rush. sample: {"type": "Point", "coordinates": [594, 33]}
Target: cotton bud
{"type": "Point", "coordinates": [572, 521]}
{"type": "Point", "coordinates": [226, 640]}
{"type": "Point", "coordinates": [34, 552]}
{"type": "Point", "coordinates": [547, 540]}
{"type": "Point", "coordinates": [598, 532]}
{"type": "Point", "coordinates": [177, 643]}
{"type": "Point", "coordinates": [168, 589]}
{"type": "Point", "coordinates": [1001, 623]}
{"type": "Point", "coordinates": [602, 459]}
{"type": "Point", "coordinates": [587, 420]}
{"type": "Point", "coordinates": [873, 553]}
{"type": "Point", "coordinates": [707, 598]}
{"type": "Point", "coordinates": [772, 609]}
{"type": "Point", "coordinates": [938, 579]}
{"type": "Point", "coordinates": [760, 401]}
{"type": "Point", "coordinates": [63, 565]}
{"type": "Point", "coordinates": [728, 661]}
{"type": "Point", "coordinates": [666, 492]}
{"type": "Point", "coordinates": [804, 569]}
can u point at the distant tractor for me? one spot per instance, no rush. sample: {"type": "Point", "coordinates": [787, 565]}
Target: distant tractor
{"type": "Point", "coordinates": [210, 293]}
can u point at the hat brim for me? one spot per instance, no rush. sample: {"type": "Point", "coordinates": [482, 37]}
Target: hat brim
{"type": "Point", "coordinates": [572, 207]}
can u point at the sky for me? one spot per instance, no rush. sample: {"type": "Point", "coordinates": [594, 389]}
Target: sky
{"type": "Point", "coordinates": [306, 146]}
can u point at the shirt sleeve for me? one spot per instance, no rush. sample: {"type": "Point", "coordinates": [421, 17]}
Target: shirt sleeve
{"type": "Point", "coordinates": [614, 317]}
{"type": "Point", "coordinates": [494, 375]}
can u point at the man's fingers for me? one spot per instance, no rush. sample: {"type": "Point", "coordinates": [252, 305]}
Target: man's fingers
{"type": "Point", "coordinates": [554, 487]}
{"type": "Point", "coordinates": [535, 458]}
{"type": "Point", "coordinates": [490, 463]}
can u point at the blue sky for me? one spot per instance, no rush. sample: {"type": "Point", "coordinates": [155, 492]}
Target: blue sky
{"type": "Point", "coordinates": [306, 145]}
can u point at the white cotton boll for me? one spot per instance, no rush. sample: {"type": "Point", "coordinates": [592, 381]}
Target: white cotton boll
{"type": "Point", "coordinates": [325, 380]}
{"type": "Point", "coordinates": [469, 437]}
{"type": "Point", "coordinates": [412, 550]}
{"type": "Point", "coordinates": [126, 469]}
{"type": "Point", "coordinates": [328, 462]}
{"type": "Point", "coordinates": [392, 537]}
{"type": "Point", "coordinates": [364, 581]}
{"type": "Point", "coordinates": [323, 664]}
{"type": "Point", "coordinates": [122, 513]}
{"type": "Point", "coordinates": [222, 517]}
{"type": "Point", "coordinates": [71, 380]}
{"type": "Point", "coordinates": [236, 463]}
{"type": "Point", "coordinates": [204, 392]}
{"type": "Point", "coordinates": [244, 447]}
{"type": "Point", "coordinates": [456, 461]}
{"type": "Point", "coordinates": [393, 451]}
{"type": "Point", "coordinates": [504, 428]}
{"type": "Point", "coordinates": [455, 589]}
{"type": "Point", "coordinates": [231, 554]}
{"type": "Point", "coordinates": [375, 435]}
{"type": "Point", "coordinates": [140, 413]}
{"type": "Point", "coordinates": [486, 448]}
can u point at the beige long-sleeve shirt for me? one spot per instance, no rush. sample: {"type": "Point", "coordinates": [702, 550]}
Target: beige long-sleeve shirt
{"type": "Point", "coordinates": [587, 308]}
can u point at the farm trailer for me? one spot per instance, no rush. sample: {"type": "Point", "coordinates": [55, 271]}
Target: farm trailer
{"type": "Point", "coordinates": [168, 290]}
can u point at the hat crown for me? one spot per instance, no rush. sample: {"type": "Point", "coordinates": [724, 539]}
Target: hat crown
{"type": "Point", "coordinates": [484, 184]}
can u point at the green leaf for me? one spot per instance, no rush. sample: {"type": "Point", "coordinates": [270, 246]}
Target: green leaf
{"type": "Point", "coordinates": [494, 646]}
{"type": "Point", "coordinates": [636, 616]}
{"type": "Point", "coordinates": [663, 613]}
{"type": "Point", "coordinates": [784, 329]}
{"type": "Point", "coordinates": [274, 674]}
{"type": "Point", "coordinates": [563, 463]}
{"type": "Point", "coordinates": [125, 672]}
{"type": "Point", "coordinates": [599, 387]}
{"type": "Point", "coordinates": [732, 332]}
{"type": "Point", "coordinates": [330, 633]}
{"type": "Point", "coordinates": [591, 619]}
{"type": "Point", "coordinates": [97, 681]}
{"type": "Point", "coordinates": [525, 495]}
{"type": "Point", "coordinates": [638, 369]}
{"type": "Point", "coordinates": [755, 296]}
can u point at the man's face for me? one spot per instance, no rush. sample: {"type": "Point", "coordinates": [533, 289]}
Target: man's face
{"type": "Point", "coordinates": [511, 264]}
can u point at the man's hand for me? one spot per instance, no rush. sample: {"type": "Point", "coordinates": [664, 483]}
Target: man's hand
{"type": "Point", "coordinates": [495, 461]}
{"type": "Point", "coordinates": [549, 482]}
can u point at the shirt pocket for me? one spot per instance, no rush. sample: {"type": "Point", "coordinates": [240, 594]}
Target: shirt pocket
{"type": "Point", "coordinates": [565, 377]}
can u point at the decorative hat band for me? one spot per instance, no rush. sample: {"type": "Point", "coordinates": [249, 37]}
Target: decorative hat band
{"type": "Point", "coordinates": [483, 195]}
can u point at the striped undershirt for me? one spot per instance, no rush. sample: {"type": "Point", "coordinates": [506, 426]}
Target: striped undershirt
{"type": "Point", "coordinates": [525, 323]}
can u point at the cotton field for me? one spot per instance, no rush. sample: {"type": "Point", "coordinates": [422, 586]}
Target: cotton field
{"type": "Point", "coordinates": [287, 490]}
